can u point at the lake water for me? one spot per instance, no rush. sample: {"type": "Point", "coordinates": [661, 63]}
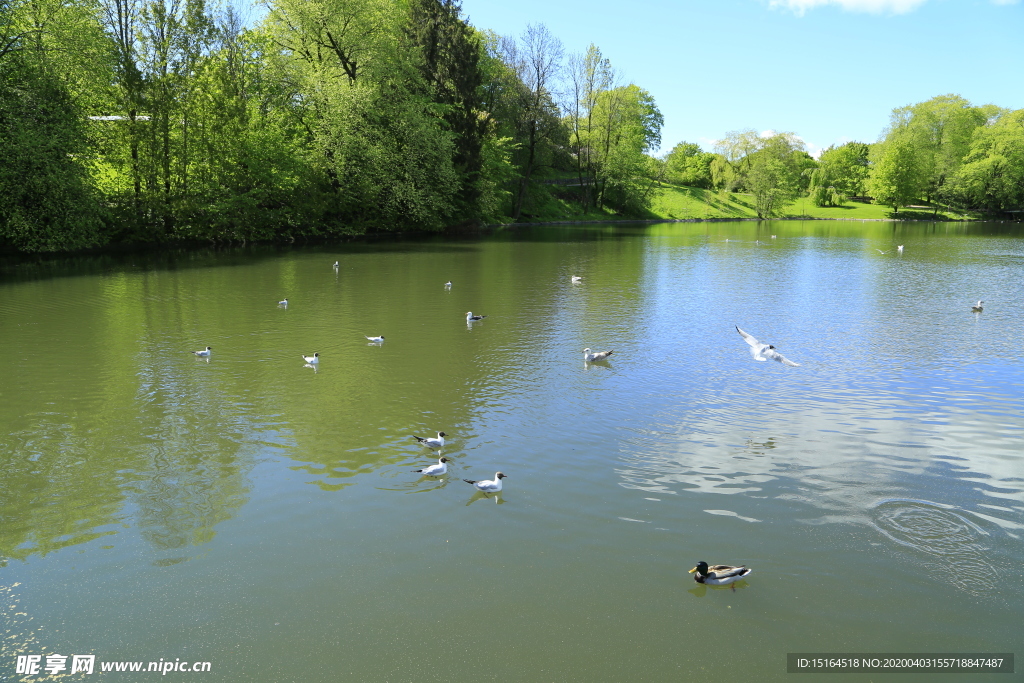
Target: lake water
{"type": "Point", "coordinates": [264, 516]}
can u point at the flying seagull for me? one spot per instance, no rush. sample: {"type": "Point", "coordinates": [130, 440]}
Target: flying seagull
{"type": "Point", "coordinates": [764, 351]}
{"type": "Point", "coordinates": [430, 441]}
{"type": "Point", "coordinates": [591, 357]}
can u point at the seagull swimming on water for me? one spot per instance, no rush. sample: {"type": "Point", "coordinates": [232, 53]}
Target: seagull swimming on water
{"type": "Point", "coordinates": [205, 352]}
{"type": "Point", "coordinates": [435, 470]}
{"type": "Point", "coordinates": [977, 308]}
{"type": "Point", "coordinates": [764, 351]}
{"type": "Point", "coordinates": [448, 285]}
{"type": "Point", "coordinates": [431, 442]}
{"type": "Point", "coordinates": [470, 318]}
{"type": "Point", "coordinates": [282, 302]}
{"type": "Point", "coordinates": [899, 248]}
{"type": "Point", "coordinates": [592, 357]}
{"type": "Point", "coordinates": [335, 265]}
{"type": "Point", "coordinates": [312, 360]}
{"type": "Point", "coordinates": [576, 279]}
{"type": "Point", "coordinates": [488, 485]}
{"type": "Point", "coordinates": [375, 340]}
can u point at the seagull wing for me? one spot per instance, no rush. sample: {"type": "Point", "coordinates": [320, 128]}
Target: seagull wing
{"type": "Point", "coordinates": [775, 355]}
{"type": "Point", "coordinates": [749, 339]}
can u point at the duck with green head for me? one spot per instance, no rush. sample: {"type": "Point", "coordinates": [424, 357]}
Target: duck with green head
{"type": "Point", "coordinates": [718, 574]}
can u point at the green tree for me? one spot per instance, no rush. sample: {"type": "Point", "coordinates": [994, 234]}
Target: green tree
{"type": "Point", "coordinates": [776, 173]}
{"type": "Point", "coordinates": [940, 130]}
{"type": "Point", "coordinates": [687, 164]}
{"type": "Point", "coordinates": [535, 58]}
{"type": "Point", "coordinates": [450, 60]}
{"type": "Point", "coordinates": [991, 177]}
{"type": "Point", "coordinates": [46, 200]}
{"type": "Point", "coordinates": [896, 177]}
{"type": "Point", "coordinates": [628, 126]}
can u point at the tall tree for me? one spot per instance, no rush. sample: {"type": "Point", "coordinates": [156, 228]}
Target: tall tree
{"type": "Point", "coordinates": [536, 58]}
{"type": "Point", "coordinates": [992, 175]}
{"type": "Point", "coordinates": [687, 164]}
{"type": "Point", "coordinates": [451, 54]}
{"type": "Point", "coordinates": [841, 173]}
{"type": "Point", "coordinates": [776, 172]}
{"type": "Point", "coordinates": [896, 176]}
{"type": "Point", "coordinates": [590, 76]}
{"type": "Point", "coordinates": [46, 200]}
{"type": "Point", "coordinates": [940, 130]}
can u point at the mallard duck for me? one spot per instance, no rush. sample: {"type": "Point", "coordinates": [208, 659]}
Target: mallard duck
{"type": "Point", "coordinates": [718, 574]}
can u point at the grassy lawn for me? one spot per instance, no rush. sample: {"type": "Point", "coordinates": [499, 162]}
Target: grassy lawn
{"type": "Point", "coordinates": [673, 202]}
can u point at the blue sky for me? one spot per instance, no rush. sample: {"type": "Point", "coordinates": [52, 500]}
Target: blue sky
{"type": "Point", "coordinates": [828, 70]}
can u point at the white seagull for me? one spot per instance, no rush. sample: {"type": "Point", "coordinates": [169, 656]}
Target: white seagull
{"type": "Point", "coordinates": [448, 285]}
{"type": "Point", "coordinates": [591, 357]}
{"type": "Point", "coordinates": [282, 302]}
{"type": "Point", "coordinates": [335, 265]}
{"type": "Point", "coordinates": [470, 318]}
{"type": "Point", "coordinates": [764, 351]}
{"type": "Point", "coordinates": [488, 485]}
{"type": "Point", "coordinates": [205, 352]}
{"type": "Point", "coordinates": [435, 470]}
{"type": "Point", "coordinates": [312, 360]}
{"type": "Point", "coordinates": [375, 340]}
{"type": "Point", "coordinates": [899, 248]}
{"type": "Point", "coordinates": [431, 442]}
{"type": "Point", "coordinates": [576, 279]}
{"type": "Point", "coordinates": [976, 308]}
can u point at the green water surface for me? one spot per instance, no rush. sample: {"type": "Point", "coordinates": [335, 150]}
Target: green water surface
{"type": "Point", "coordinates": [262, 515]}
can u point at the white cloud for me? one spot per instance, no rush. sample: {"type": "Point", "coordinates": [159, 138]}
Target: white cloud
{"type": "Point", "coordinates": [872, 6]}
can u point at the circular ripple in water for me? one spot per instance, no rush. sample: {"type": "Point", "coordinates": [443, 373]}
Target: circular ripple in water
{"type": "Point", "coordinates": [952, 541]}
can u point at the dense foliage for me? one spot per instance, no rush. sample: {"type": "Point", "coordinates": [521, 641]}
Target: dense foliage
{"type": "Point", "coordinates": [169, 120]}
{"type": "Point", "coordinates": [156, 121]}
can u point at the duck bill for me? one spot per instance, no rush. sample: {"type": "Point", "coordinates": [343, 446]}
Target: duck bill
{"type": "Point", "coordinates": [692, 570]}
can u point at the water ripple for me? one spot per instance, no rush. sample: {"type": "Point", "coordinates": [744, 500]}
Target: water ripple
{"type": "Point", "coordinates": [953, 545]}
